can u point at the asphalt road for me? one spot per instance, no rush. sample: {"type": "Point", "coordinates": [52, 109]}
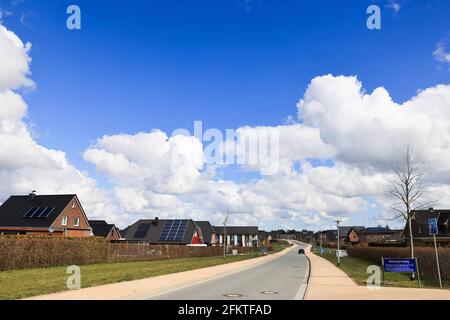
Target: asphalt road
{"type": "Point", "coordinates": [284, 278]}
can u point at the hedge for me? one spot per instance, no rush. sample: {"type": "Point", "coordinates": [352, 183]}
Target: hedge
{"type": "Point", "coordinates": [425, 257]}
{"type": "Point", "coordinates": [19, 252]}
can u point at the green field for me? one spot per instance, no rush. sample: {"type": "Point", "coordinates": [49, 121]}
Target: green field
{"type": "Point", "coordinates": [356, 269]}
{"type": "Point", "coordinates": [16, 284]}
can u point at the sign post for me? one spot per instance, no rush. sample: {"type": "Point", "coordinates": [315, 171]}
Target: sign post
{"type": "Point", "coordinates": [433, 229]}
{"type": "Point", "coordinates": [400, 265]}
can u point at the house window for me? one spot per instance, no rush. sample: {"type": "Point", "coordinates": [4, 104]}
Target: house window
{"type": "Point", "coordinates": [64, 221]}
{"type": "Point", "coordinates": [420, 230]}
{"type": "Point", "coordinates": [76, 221]}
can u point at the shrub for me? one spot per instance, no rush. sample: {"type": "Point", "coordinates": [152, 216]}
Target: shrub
{"type": "Point", "coordinates": [425, 257]}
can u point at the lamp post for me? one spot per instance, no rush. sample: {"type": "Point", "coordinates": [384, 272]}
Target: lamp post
{"type": "Point", "coordinates": [320, 237]}
{"type": "Point", "coordinates": [338, 251]}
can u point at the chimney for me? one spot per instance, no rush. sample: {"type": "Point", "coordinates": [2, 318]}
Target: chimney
{"type": "Point", "coordinates": [32, 194]}
{"type": "Point", "coordinates": [155, 221]}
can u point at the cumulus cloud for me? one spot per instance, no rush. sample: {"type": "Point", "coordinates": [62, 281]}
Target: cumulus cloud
{"type": "Point", "coordinates": [26, 165]}
{"type": "Point", "coordinates": [336, 156]}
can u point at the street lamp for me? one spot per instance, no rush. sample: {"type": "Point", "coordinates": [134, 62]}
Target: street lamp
{"type": "Point", "coordinates": [320, 241]}
{"type": "Point", "coordinates": [338, 251]}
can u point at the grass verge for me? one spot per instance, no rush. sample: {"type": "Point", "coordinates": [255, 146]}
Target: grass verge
{"type": "Point", "coordinates": [356, 269]}
{"type": "Point", "coordinates": [17, 284]}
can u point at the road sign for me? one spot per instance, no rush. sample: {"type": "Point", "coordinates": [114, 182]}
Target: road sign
{"type": "Point", "coordinates": [399, 265]}
{"type": "Point", "coordinates": [432, 226]}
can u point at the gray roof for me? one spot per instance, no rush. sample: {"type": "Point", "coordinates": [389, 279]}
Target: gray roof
{"type": "Point", "coordinates": [238, 230]}
{"type": "Point", "coordinates": [345, 230]}
{"type": "Point", "coordinates": [13, 210]}
{"type": "Point", "coordinates": [100, 228]}
{"type": "Point", "coordinates": [206, 229]}
{"type": "Point", "coordinates": [153, 233]}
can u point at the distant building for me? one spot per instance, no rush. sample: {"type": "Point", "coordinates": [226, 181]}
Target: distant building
{"type": "Point", "coordinates": [420, 227]}
{"type": "Point", "coordinates": [349, 235]}
{"type": "Point", "coordinates": [164, 231]}
{"type": "Point", "coordinates": [33, 214]}
{"type": "Point", "coordinates": [373, 235]}
{"type": "Point", "coordinates": [238, 236]}
{"type": "Point", "coordinates": [100, 228]}
{"type": "Point", "coordinates": [208, 233]}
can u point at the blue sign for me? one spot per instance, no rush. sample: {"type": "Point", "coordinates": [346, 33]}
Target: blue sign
{"type": "Point", "coordinates": [399, 265]}
{"type": "Point", "coordinates": [433, 227]}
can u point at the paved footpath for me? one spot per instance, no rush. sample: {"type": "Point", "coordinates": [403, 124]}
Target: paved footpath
{"type": "Point", "coordinates": [150, 287]}
{"type": "Point", "coordinates": [327, 282]}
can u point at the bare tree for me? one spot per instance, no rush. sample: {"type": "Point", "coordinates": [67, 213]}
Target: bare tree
{"type": "Point", "coordinates": [408, 188]}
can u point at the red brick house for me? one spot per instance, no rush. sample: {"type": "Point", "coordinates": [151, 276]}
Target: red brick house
{"type": "Point", "coordinates": [57, 215]}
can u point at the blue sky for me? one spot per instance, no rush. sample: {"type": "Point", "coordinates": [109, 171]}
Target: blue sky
{"type": "Point", "coordinates": [139, 65]}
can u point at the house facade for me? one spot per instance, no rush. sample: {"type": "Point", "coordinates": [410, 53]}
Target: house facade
{"type": "Point", "coordinates": [238, 236]}
{"type": "Point", "coordinates": [55, 215]}
{"type": "Point", "coordinates": [420, 227]}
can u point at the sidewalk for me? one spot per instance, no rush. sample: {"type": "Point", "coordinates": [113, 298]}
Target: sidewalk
{"type": "Point", "coordinates": [150, 287]}
{"type": "Point", "coordinates": [327, 282]}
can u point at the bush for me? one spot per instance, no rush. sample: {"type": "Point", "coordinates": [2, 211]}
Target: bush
{"type": "Point", "coordinates": [19, 252]}
{"type": "Point", "coordinates": [425, 257]}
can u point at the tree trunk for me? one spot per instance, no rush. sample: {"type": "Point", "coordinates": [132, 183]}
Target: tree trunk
{"type": "Point", "coordinates": [411, 243]}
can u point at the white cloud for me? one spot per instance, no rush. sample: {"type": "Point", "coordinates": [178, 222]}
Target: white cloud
{"type": "Point", "coordinates": [25, 165]}
{"type": "Point", "coordinates": [394, 5]}
{"type": "Point", "coordinates": [360, 134]}
{"type": "Point", "coordinates": [441, 54]}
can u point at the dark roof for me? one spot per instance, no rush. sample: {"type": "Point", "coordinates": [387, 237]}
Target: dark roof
{"type": "Point", "coordinates": [377, 230]}
{"type": "Point", "coordinates": [149, 230]}
{"type": "Point", "coordinates": [345, 230]}
{"type": "Point", "coordinates": [206, 229]}
{"type": "Point", "coordinates": [100, 228]}
{"type": "Point", "coordinates": [13, 210]}
{"type": "Point", "coordinates": [420, 226]}
{"type": "Point", "coordinates": [238, 230]}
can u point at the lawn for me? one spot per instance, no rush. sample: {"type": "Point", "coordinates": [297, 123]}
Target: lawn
{"type": "Point", "coordinates": [356, 269]}
{"type": "Point", "coordinates": [279, 246]}
{"type": "Point", "coordinates": [16, 284]}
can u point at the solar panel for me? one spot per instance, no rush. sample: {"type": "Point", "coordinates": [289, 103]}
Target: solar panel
{"type": "Point", "coordinates": [142, 230]}
{"type": "Point", "coordinates": [30, 212]}
{"type": "Point", "coordinates": [173, 230]}
{"type": "Point", "coordinates": [38, 212]}
{"type": "Point", "coordinates": [45, 213]}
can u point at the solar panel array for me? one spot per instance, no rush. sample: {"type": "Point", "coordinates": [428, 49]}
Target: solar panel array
{"type": "Point", "coordinates": [173, 230]}
{"type": "Point", "coordinates": [38, 212]}
{"type": "Point", "coordinates": [142, 230]}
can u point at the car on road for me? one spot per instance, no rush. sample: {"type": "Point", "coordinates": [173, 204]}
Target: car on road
{"type": "Point", "coordinates": [301, 251]}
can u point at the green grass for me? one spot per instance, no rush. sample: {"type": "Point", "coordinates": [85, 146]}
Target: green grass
{"type": "Point", "coordinates": [356, 269]}
{"type": "Point", "coordinates": [17, 284]}
{"type": "Point", "coordinates": [279, 246]}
